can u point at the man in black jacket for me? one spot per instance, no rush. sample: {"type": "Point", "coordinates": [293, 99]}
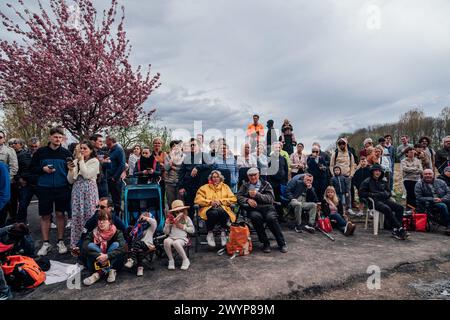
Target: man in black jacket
{"type": "Point", "coordinates": [256, 197]}
{"type": "Point", "coordinates": [192, 174]}
{"type": "Point", "coordinates": [24, 181]}
{"type": "Point", "coordinates": [278, 175]}
{"type": "Point", "coordinates": [302, 196]}
{"type": "Point", "coordinates": [377, 188]}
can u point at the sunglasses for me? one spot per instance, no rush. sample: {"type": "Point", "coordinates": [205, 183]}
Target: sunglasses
{"type": "Point", "coordinates": [315, 152]}
{"type": "Point", "coordinates": [102, 207]}
{"type": "Point", "coordinates": [253, 175]}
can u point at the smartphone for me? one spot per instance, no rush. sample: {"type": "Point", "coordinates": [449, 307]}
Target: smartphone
{"type": "Point", "coordinates": [69, 159]}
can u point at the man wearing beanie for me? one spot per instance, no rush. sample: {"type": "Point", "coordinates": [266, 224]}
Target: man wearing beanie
{"type": "Point", "coordinates": [377, 188]}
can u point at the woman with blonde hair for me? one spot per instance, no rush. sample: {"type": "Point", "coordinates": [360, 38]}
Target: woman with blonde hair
{"type": "Point", "coordinates": [215, 200]}
{"type": "Point", "coordinates": [333, 209]}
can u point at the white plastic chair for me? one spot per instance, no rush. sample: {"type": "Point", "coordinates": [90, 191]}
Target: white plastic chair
{"type": "Point", "coordinates": [378, 218]}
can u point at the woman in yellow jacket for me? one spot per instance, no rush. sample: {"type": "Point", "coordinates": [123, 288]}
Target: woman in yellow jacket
{"type": "Point", "coordinates": [215, 200]}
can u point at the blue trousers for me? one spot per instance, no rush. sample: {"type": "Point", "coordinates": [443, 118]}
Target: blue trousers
{"type": "Point", "coordinates": [115, 263]}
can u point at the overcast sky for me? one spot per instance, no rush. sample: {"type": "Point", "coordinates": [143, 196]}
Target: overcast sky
{"type": "Point", "coordinates": [328, 66]}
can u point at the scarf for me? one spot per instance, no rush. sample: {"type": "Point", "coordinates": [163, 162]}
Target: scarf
{"type": "Point", "coordinates": [101, 238]}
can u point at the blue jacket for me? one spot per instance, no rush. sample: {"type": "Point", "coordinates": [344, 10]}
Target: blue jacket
{"type": "Point", "coordinates": [58, 158]}
{"type": "Point", "coordinates": [5, 185]}
{"type": "Point", "coordinates": [340, 184]}
{"type": "Point", "coordinates": [297, 188]}
{"type": "Point", "coordinates": [117, 165]}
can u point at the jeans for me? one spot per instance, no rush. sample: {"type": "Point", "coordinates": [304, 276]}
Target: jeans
{"type": "Point", "coordinates": [298, 209]}
{"type": "Point", "coordinates": [348, 199]}
{"type": "Point", "coordinates": [91, 261]}
{"type": "Point", "coordinates": [340, 221]}
{"type": "Point", "coordinates": [26, 193]}
{"type": "Point", "coordinates": [216, 216]}
{"type": "Point", "coordinates": [445, 216]}
{"type": "Point", "coordinates": [270, 217]}
{"type": "Point", "coordinates": [115, 187]}
{"type": "Point", "coordinates": [4, 288]}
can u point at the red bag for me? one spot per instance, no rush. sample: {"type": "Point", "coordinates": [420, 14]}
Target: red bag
{"type": "Point", "coordinates": [416, 222]}
{"type": "Point", "coordinates": [420, 222]}
{"type": "Point", "coordinates": [239, 240]}
{"type": "Point", "coordinates": [325, 224]}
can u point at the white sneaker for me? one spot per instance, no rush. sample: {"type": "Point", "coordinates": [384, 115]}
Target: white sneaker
{"type": "Point", "coordinates": [223, 239]}
{"type": "Point", "coordinates": [186, 264]}
{"type": "Point", "coordinates": [62, 249]}
{"type": "Point", "coordinates": [140, 271]}
{"type": "Point", "coordinates": [112, 274]}
{"type": "Point", "coordinates": [44, 249]}
{"type": "Point", "coordinates": [92, 279]}
{"type": "Point", "coordinates": [350, 212]}
{"type": "Point", "coordinates": [53, 226]}
{"type": "Point", "coordinates": [129, 264]}
{"type": "Point", "coordinates": [210, 239]}
{"type": "Point", "coordinates": [69, 224]}
{"type": "Point", "coordinates": [171, 265]}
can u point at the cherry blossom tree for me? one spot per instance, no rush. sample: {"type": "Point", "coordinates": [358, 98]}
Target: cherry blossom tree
{"type": "Point", "coordinates": [69, 68]}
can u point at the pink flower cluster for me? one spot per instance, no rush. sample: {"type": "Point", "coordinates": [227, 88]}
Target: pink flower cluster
{"type": "Point", "coordinates": [79, 77]}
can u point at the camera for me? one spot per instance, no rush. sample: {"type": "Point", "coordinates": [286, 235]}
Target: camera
{"type": "Point", "coordinates": [50, 166]}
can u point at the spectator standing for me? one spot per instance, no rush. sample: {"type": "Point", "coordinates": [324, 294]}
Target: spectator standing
{"type": "Point", "coordinates": [50, 164]}
{"type": "Point", "coordinates": [115, 167]}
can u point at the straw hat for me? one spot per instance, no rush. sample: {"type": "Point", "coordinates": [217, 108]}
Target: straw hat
{"type": "Point", "coordinates": [178, 205]}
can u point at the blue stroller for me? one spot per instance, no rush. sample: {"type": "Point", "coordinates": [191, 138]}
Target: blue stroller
{"type": "Point", "coordinates": [149, 199]}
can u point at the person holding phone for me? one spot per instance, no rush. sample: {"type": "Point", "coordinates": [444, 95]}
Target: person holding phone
{"type": "Point", "coordinates": [50, 165]}
{"type": "Point", "coordinates": [147, 167]}
{"type": "Point", "coordinates": [83, 171]}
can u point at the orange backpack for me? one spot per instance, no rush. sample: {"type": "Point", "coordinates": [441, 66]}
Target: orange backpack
{"type": "Point", "coordinates": [23, 272]}
{"type": "Point", "coordinates": [239, 240]}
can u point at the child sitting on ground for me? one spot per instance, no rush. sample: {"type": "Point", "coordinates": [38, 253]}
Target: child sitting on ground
{"type": "Point", "coordinates": [178, 226]}
{"type": "Point", "coordinates": [141, 237]}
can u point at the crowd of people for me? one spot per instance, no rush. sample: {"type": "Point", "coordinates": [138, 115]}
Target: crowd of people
{"type": "Point", "coordinates": [80, 187]}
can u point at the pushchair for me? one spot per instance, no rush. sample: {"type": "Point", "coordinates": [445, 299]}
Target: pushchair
{"type": "Point", "coordinates": [140, 198]}
{"type": "Point", "coordinates": [146, 198]}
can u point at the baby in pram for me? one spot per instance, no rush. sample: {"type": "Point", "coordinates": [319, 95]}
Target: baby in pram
{"type": "Point", "coordinates": [141, 241]}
